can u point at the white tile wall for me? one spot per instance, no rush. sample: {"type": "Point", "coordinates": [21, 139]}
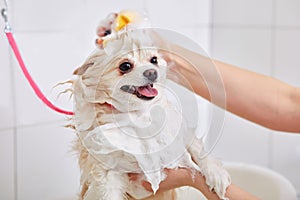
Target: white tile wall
{"type": "Point", "coordinates": [286, 62]}
{"type": "Point", "coordinates": [203, 12]}
{"type": "Point", "coordinates": [261, 36]}
{"type": "Point", "coordinates": [6, 102]}
{"type": "Point", "coordinates": [173, 14]}
{"type": "Point", "coordinates": [7, 122]}
{"type": "Point", "coordinates": [54, 15]}
{"type": "Point", "coordinates": [7, 170]}
{"type": "Point", "coordinates": [50, 58]}
{"type": "Point", "coordinates": [100, 9]}
{"type": "Point", "coordinates": [245, 47]}
{"type": "Point", "coordinates": [47, 165]}
{"type": "Point", "coordinates": [242, 12]}
{"type": "Point", "coordinates": [287, 13]}
{"type": "Point", "coordinates": [243, 141]}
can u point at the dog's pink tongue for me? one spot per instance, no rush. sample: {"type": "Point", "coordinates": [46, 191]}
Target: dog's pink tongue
{"type": "Point", "coordinates": [147, 91]}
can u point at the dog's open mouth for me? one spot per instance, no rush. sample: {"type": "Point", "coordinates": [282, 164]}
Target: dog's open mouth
{"type": "Point", "coordinates": [146, 92]}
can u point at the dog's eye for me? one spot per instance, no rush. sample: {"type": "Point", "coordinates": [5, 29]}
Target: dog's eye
{"type": "Point", "coordinates": [153, 60]}
{"type": "Point", "coordinates": [107, 32]}
{"type": "Point", "coordinates": [125, 67]}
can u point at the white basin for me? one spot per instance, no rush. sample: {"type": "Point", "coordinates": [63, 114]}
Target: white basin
{"type": "Point", "coordinates": [259, 181]}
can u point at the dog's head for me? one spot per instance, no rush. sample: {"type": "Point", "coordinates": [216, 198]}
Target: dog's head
{"type": "Point", "coordinates": [128, 73]}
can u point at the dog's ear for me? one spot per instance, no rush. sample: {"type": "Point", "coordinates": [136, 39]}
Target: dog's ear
{"type": "Point", "coordinates": [82, 69]}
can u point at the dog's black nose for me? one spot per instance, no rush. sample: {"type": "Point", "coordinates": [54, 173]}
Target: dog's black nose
{"type": "Point", "coordinates": [150, 74]}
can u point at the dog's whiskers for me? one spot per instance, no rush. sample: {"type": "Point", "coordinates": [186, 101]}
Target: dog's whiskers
{"type": "Point", "coordinates": [66, 91]}
{"type": "Point", "coordinates": [63, 83]}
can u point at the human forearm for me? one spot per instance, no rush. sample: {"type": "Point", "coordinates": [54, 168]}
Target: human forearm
{"type": "Point", "coordinates": [261, 99]}
{"type": "Point", "coordinates": [232, 192]}
{"type": "Point", "coordinates": [258, 98]}
{"type": "Point", "coordinates": [182, 177]}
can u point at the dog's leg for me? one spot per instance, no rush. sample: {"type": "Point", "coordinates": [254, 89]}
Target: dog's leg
{"type": "Point", "coordinates": [115, 185]}
{"type": "Point", "coordinates": [107, 185]}
{"type": "Point", "coordinates": [217, 178]}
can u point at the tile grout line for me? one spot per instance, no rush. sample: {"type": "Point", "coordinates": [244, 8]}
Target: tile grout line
{"type": "Point", "coordinates": [15, 135]}
{"type": "Point", "coordinates": [14, 104]}
{"type": "Point", "coordinates": [256, 27]}
{"type": "Point", "coordinates": [272, 36]}
{"type": "Point", "coordinates": [272, 71]}
{"type": "Point", "coordinates": [50, 122]}
{"type": "Point", "coordinates": [211, 27]}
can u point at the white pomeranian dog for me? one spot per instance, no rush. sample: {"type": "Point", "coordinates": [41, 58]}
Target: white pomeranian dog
{"type": "Point", "coordinates": [126, 122]}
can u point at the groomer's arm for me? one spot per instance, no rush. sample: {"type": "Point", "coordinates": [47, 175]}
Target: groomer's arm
{"type": "Point", "coordinates": [182, 177]}
{"type": "Point", "coordinates": [255, 97]}
{"type": "Point", "coordinates": [233, 192]}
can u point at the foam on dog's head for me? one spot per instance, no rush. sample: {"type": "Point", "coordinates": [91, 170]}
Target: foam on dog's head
{"type": "Point", "coordinates": [119, 22]}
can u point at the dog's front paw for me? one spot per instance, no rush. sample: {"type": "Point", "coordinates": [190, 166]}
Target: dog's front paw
{"type": "Point", "coordinates": [217, 178]}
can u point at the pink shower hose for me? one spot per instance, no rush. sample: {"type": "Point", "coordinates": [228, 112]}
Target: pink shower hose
{"type": "Point", "coordinates": [34, 86]}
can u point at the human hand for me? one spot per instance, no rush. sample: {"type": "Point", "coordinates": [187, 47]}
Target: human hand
{"type": "Point", "coordinates": [185, 177]}
{"type": "Point", "coordinates": [174, 178]}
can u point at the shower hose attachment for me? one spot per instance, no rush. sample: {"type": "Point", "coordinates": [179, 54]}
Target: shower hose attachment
{"type": "Point", "coordinates": [12, 42]}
